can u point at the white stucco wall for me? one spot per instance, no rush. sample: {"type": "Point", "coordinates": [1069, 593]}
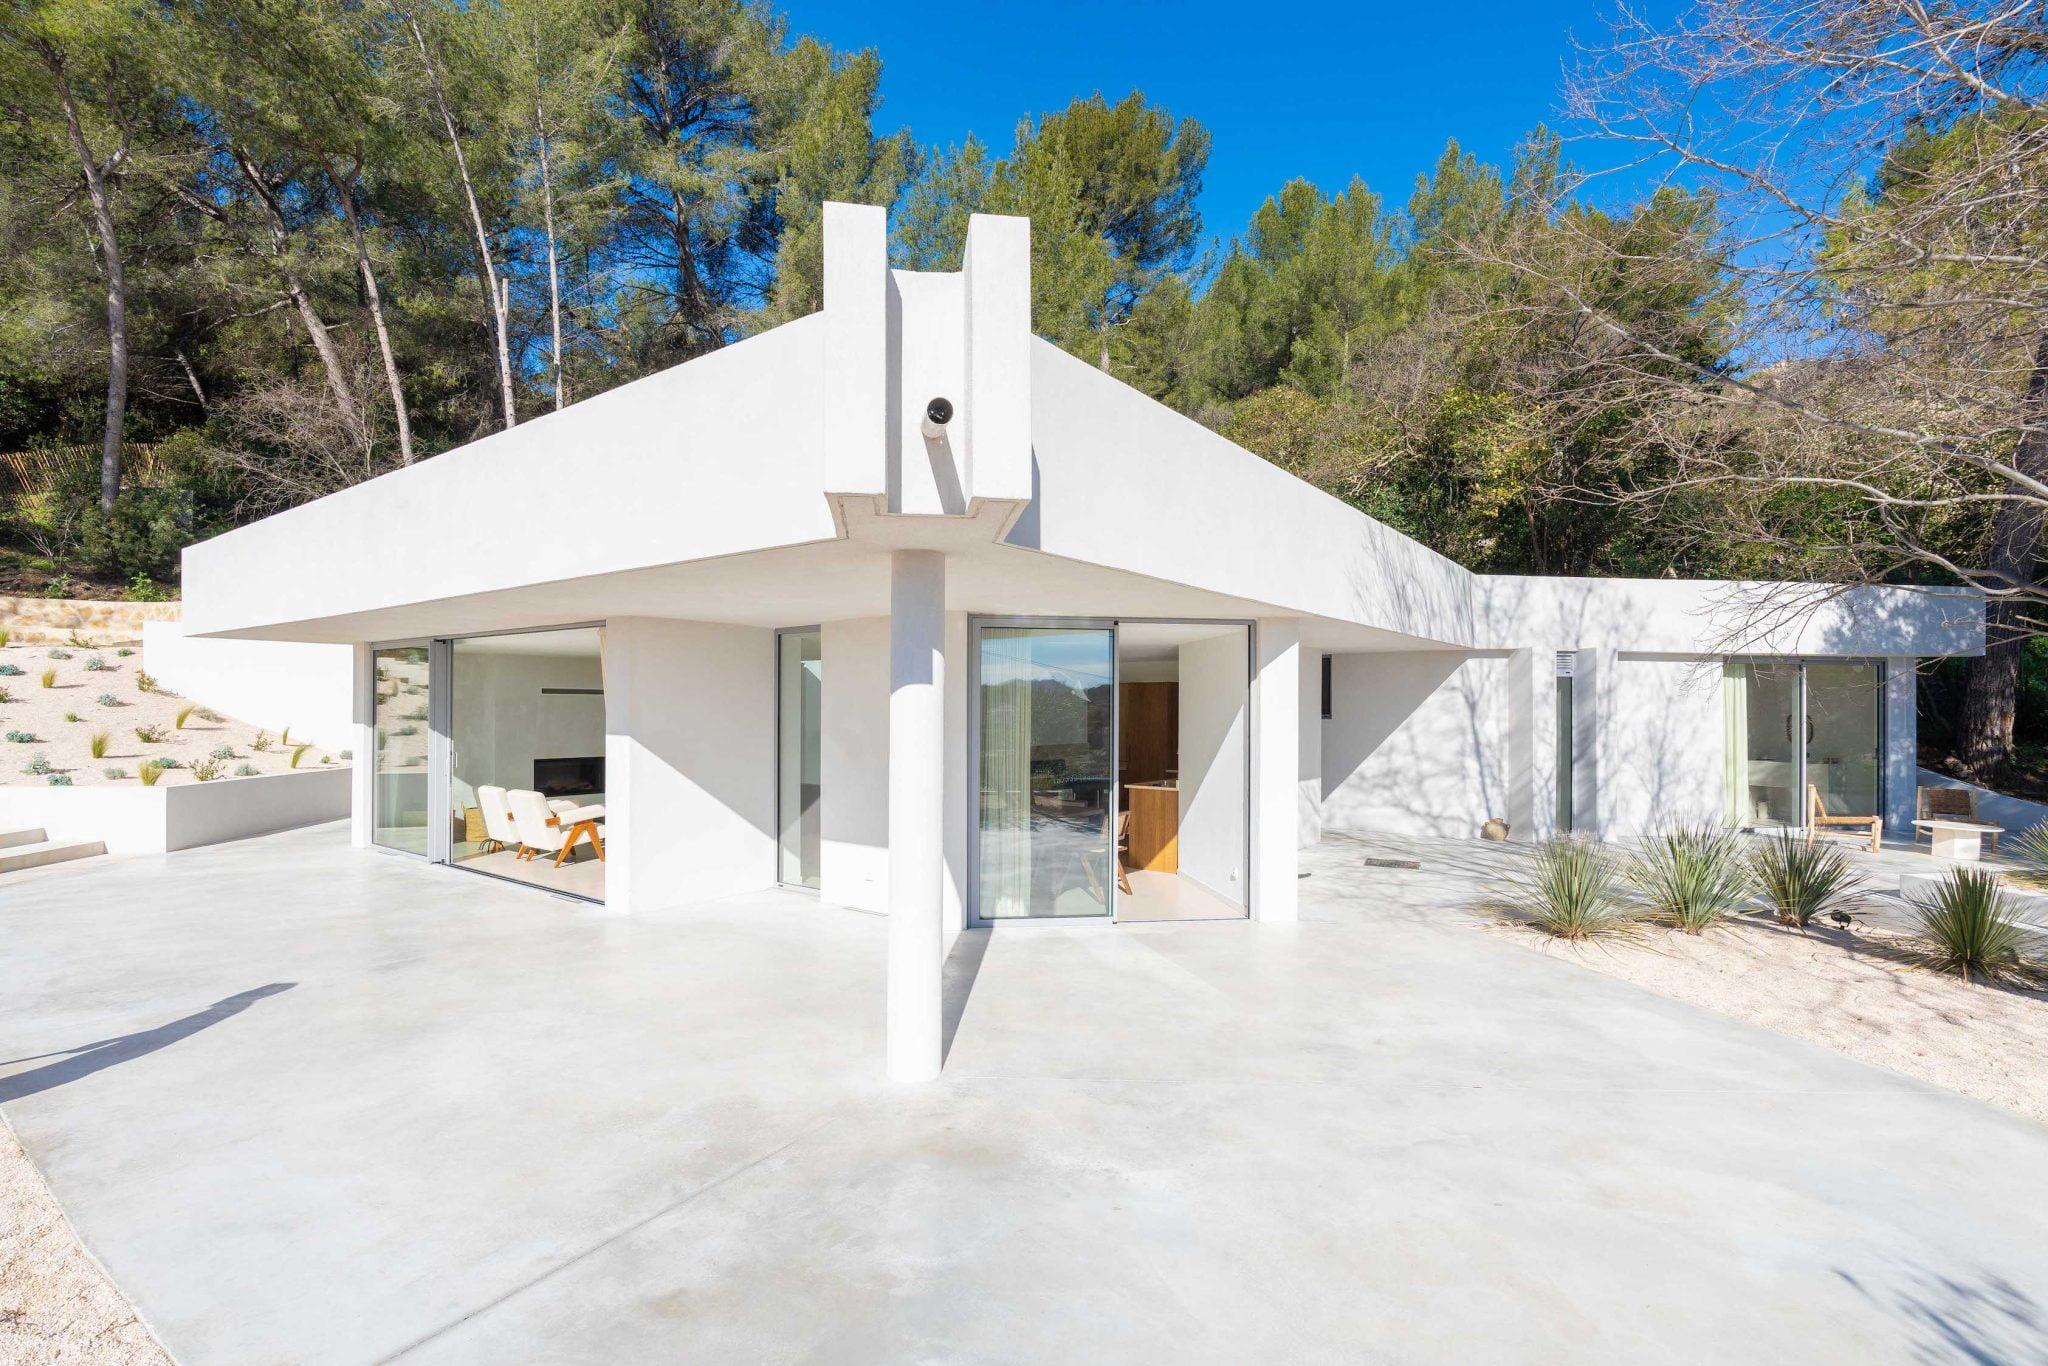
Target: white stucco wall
{"type": "Point", "coordinates": [1662, 742]}
{"type": "Point", "coordinates": [1418, 743]}
{"type": "Point", "coordinates": [273, 684]}
{"type": "Point", "coordinates": [133, 819]}
{"type": "Point", "coordinates": [690, 759]}
{"type": "Point", "coordinates": [1214, 730]}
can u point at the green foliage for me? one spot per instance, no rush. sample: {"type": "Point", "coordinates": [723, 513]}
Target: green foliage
{"type": "Point", "coordinates": [100, 740]}
{"type": "Point", "coordinates": [298, 752]}
{"type": "Point", "coordinates": [107, 699]}
{"type": "Point", "coordinates": [21, 737]}
{"type": "Point", "coordinates": [1972, 929]}
{"type": "Point", "coordinates": [1803, 880]}
{"type": "Point", "coordinates": [48, 678]}
{"type": "Point", "coordinates": [115, 773]}
{"type": "Point", "coordinates": [1573, 892]}
{"type": "Point", "coordinates": [59, 780]}
{"type": "Point", "coordinates": [1693, 876]}
{"type": "Point", "coordinates": [246, 770]}
{"type": "Point", "coordinates": [184, 714]}
{"type": "Point", "coordinates": [150, 771]}
{"type": "Point", "coordinates": [38, 766]}
{"type": "Point", "coordinates": [206, 770]}
{"type": "Point", "coordinates": [151, 734]}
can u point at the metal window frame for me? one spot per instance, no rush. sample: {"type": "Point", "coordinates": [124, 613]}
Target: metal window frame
{"type": "Point", "coordinates": [1800, 713]}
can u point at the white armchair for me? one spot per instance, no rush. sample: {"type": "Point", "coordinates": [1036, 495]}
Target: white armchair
{"type": "Point", "coordinates": [553, 827]}
{"type": "Point", "coordinates": [498, 826]}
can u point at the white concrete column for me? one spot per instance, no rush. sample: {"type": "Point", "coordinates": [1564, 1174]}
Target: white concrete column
{"type": "Point", "coordinates": [363, 748]}
{"type": "Point", "coordinates": [917, 783]}
{"type": "Point", "coordinates": [1276, 772]}
{"type": "Point", "coordinates": [1901, 745]}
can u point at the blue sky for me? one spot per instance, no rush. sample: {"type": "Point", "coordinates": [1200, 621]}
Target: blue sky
{"type": "Point", "coordinates": [1322, 90]}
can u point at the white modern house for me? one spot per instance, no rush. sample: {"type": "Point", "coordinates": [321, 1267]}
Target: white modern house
{"type": "Point", "coordinates": [904, 604]}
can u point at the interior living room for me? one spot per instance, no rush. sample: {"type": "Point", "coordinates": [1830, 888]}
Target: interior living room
{"type": "Point", "coordinates": [526, 769]}
{"type": "Point", "coordinates": [1181, 759]}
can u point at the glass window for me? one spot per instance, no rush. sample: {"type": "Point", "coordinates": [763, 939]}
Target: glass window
{"type": "Point", "coordinates": [1843, 725]}
{"type": "Point", "coordinates": [799, 667]}
{"type": "Point", "coordinates": [399, 800]}
{"type": "Point", "coordinates": [1047, 694]}
{"type": "Point", "coordinates": [1762, 705]}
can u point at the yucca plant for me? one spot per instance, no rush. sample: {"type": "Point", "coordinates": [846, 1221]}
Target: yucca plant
{"type": "Point", "coordinates": [100, 740]}
{"type": "Point", "coordinates": [1803, 880]}
{"type": "Point", "coordinates": [1971, 929]}
{"type": "Point", "coordinates": [2029, 848]}
{"type": "Point", "coordinates": [1574, 890]}
{"type": "Point", "coordinates": [149, 773]}
{"type": "Point", "coordinates": [1692, 876]}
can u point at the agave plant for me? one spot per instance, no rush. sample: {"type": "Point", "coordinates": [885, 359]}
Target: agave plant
{"type": "Point", "coordinates": [2029, 849]}
{"type": "Point", "coordinates": [1971, 929]}
{"type": "Point", "coordinates": [1574, 891]}
{"type": "Point", "coordinates": [1692, 876]}
{"type": "Point", "coordinates": [1803, 880]}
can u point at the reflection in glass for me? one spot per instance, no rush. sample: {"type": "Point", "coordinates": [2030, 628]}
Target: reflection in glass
{"type": "Point", "coordinates": [526, 755]}
{"type": "Point", "coordinates": [1843, 725]}
{"type": "Point", "coordinates": [800, 680]}
{"type": "Point", "coordinates": [399, 799]}
{"type": "Point", "coordinates": [1046, 701]}
{"type": "Point", "coordinates": [1761, 701]}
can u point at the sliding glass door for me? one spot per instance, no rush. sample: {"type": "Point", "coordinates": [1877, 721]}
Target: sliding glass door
{"type": "Point", "coordinates": [1800, 731]}
{"type": "Point", "coordinates": [799, 712]}
{"type": "Point", "coordinates": [399, 797]}
{"type": "Point", "coordinates": [1045, 716]}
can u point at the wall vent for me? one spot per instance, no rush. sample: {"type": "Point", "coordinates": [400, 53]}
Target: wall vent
{"type": "Point", "coordinates": [1564, 663]}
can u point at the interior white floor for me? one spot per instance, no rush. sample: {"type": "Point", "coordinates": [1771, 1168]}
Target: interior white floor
{"type": "Point", "coordinates": [1169, 896]}
{"type": "Point", "coordinates": [582, 876]}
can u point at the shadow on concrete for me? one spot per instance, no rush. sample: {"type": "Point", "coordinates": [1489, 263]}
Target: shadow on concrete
{"type": "Point", "coordinates": [86, 1059]}
{"type": "Point", "coordinates": [1949, 1317]}
{"type": "Point", "coordinates": [963, 965]}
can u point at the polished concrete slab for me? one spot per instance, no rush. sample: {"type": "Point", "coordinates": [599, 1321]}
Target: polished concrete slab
{"type": "Point", "coordinates": [311, 1104]}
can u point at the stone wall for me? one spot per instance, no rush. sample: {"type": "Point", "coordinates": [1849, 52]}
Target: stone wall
{"type": "Point", "coordinates": [53, 621]}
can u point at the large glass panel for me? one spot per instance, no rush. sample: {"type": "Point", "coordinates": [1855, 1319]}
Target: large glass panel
{"type": "Point", "coordinates": [1762, 701]}
{"type": "Point", "coordinates": [400, 722]}
{"type": "Point", "coordinates": [526, 784]}
{"type": "Point", "coordinates": [1045, 707]}
{"type": "Point", "coordinates": [800, 683]}
{"type": "Point", "coordinates": [1843, 727]}
{"type": "Point", "coordinates": [1182, 721]}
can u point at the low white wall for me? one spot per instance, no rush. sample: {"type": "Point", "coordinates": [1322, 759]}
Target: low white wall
{"type": "Point", "coordinates": [132, 819]}
{"type": "Point", "coordinates": [264, 682]}
{"type": "Point", "coordinates": [690, 758]}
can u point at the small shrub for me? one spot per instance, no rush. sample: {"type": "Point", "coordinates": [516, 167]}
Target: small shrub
{"type": "Point", "coordinates": [407, 730]}
{"type": "Point", "coordinates": [58, 588]}
{"type": "Point", "coordinates": [206, 770]}
{"type": "Point", "coordinates": [97, 664]}
{"type": "Point", "coordinates": [325, 759]}
{"type": "Point", "coordinates": [10, 671]}
{"type": "Point", "coordinates": [298, 753]}
{"type": "Point", "coordinates": [59, 652]}
{"type": "Point", "coordinates": [100, 740]}
{"type": "Point", "coordinates": [21, 737]}
{"type": "Point", "coordinates": [246, 770]}
{"type": "Point", "coordinates": [1574, 891]}
{"type": "Point", "coordinates": [1692, 876]}
{"type": "Point", "coordinates": [262, 741]}
{"type": "Point", "coordinates": [222, 752]}
{"type": "Point", "coordinates": [6, 696]}
{"type": "Point", "coordinates": [114, 774]}
{"type": "Point", "coordinates": [1972, 930]}
{"type": "Point", "coordinates": [209, 715]}
{"type": "Point", "coordinates": [142, 588]}
{"type": "Point", "coordinates": [5, 636]}
{"type": "Point", "coordinates": [49, 678]}
{"type": "Point", "coordinates": [59, 780]}
{"type": "Point", "coordinates": [38, 766]}
{"type": "Point", "coordinates": [80, 639]}
{"type": "Point", "coordinates": [149, 773]}
{"type": "Point", "coordinates": [107, 699]}
{"type": "Point", "coordinates": [144, 682]}
{"type": "Point", "coordinates": [71, 716]}
{"type": "Point", "coordinates": [150, 735]}
{"type": "Point", "coordinates": [168, 761]}
{"type": "Point", "coordinates": [184, 715]}
{"type": "Point", "coordinates": [124, 652]}
{"type": "Point", "coordinates": [347, 754]}
{"type": "Point", "coordinates": [1803, 880]}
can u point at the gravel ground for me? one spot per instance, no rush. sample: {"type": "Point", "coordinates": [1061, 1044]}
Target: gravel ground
{"type": "Point", "coordinates": [56, 1305]}
{"type": "Point", "coordinates": [1859, 993]}
{"type": "Point", "coordinates": [65, 745]}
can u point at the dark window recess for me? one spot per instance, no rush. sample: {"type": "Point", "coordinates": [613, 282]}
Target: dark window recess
{"type": "Point", "coordinates": [572, 692]}
{"type": "Point", "coordinates": [1328, 690]}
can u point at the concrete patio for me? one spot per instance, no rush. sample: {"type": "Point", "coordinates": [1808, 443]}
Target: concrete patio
{"type": "Point", "coordinates": [313, 1104]}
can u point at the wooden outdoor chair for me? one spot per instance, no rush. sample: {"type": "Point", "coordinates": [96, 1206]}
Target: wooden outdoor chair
{"type": "Point", "coordinates": [1957, 804]}
{"type": "Point", "coordinates": [1817, 816]}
